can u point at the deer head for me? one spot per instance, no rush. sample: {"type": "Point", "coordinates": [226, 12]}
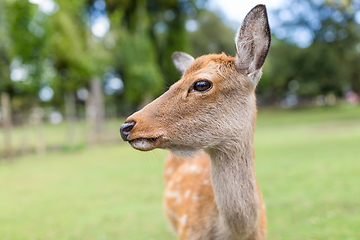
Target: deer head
{"type": "Point", "coordinates": [213, 101]}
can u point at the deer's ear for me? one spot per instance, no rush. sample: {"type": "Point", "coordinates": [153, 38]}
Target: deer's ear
{"type": "Point", "coordinates": [181, 61]}
{"type": "Point", "coordinates": [253, 40]}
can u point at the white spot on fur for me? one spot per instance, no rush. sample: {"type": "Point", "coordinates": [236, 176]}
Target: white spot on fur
{"type": "Point", "coordinates": [206, 182]}
{"type": "Point", "coordinates": [187, 193]}
{"type": "Point", "coordinates": [174, 194]}
{"type": "Point", "coordinates": [195, 197]}
{"type": "Point", "coordinates": [169, 171]}
{"type": "Point", "coordinates": [194, 168]}
{"type": "Point", "coordinates": [183, 220]}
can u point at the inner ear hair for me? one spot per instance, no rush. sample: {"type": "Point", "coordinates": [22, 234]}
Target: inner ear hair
{"type": "Point", "coordinates": [181, 61]}
{"type": "Point", "coordinates": [253, 40]}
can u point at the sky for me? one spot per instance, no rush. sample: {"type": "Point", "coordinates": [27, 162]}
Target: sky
{"type": "Point", "coordinates": [236, 10]}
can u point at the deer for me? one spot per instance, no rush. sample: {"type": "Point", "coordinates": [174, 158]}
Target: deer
{"type": "Point", "coordinates": [207, 121]}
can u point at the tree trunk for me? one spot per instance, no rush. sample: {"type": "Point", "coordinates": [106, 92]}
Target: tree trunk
{"type": "Point", "coordinates": [24, 134]}
{"type": "Point", "coordinates": [98, 103]}
{"type": "Point", "coordinates": [7, 124]}
{"type": "Point", "coordinates": [70, 109]}
{"type": "Point", "coordinates": [111, 133]}
{"type": "Point", "coordinates": [90, 118]}
{"type": "Point", "coordinates": [39, 126]}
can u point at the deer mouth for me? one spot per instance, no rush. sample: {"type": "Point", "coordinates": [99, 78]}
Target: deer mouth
{"type": "Point", "coordinates": [145, 144]}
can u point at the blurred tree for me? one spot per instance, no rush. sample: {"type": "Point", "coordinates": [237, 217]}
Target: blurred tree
{"type": "Point", "coordinates": [148, 32]}
{"type": "Point", "coordinates": [23, 56]}
{"type": "Point", "coordinates": [315, 48]}
{"type": "Point", "coordinates": [135, 51]}
{"type": "Point", "coordinates": [5, 110]}
{"type": "Point", "coordinates": [168, 30]}
{"type": "Point", "coordinates": [212, 35]}
{"type": "Point", "coordinates": [76, 56]}
{"type": "Point", "coordinates": [320, 50]}
{"type": "Point", "coordinates": [5, 48]}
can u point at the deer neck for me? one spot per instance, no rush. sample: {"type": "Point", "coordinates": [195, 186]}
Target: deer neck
{"type": "Point", "coordinates": [234, 182]}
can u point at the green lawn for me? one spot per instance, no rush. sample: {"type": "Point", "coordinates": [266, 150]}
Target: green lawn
{"type": "Point", "coordinates": [307, 167]}
{"type": "Point", "coordinates": [309, 171]}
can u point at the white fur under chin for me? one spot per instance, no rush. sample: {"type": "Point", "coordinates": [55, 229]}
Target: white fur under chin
{"type": "Point", "coordinates": [142, 144]}
{"type": "Point", "coordinates": [184, 152]}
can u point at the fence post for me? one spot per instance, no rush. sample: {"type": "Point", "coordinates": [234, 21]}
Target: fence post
{"type": "Point", "coordinates": [90, 118]}
{"type": "Point", "coordinates": [25, 134]}
{"type": "Point", "coordinates": [98, 101]}
{"type": "Point", "coordinates": [39, 113]}
{"type": "Point", "coordinates": [70, 109]}
{"type": "Point", "coordinates": [7, 124]}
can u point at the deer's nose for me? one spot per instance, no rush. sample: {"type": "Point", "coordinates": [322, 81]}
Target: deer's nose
{"type": "Point", "coordinates": [126, 128]}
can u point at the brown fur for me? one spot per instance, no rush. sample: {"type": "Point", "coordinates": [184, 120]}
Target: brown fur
{"type": "Point", "coordinates": [191, 179]}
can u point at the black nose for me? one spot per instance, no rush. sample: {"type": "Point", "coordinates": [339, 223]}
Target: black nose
{"type": "Point", "coordinates": [125, 129]}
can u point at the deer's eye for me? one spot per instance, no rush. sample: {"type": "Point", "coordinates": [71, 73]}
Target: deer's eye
{"type": "Point", "coordinates": [201, 86]}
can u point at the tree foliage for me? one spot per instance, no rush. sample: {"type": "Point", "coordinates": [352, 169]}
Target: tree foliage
{"type": "Point", "coordinates": [319, 48]}
{"type": "Point", "coordinates": [315, 43]}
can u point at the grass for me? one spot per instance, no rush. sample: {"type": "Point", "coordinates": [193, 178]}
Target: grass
{"type": "Point", "coordinates": [108, 192]}
{"type": "Point", "coordinates": [306, 163]}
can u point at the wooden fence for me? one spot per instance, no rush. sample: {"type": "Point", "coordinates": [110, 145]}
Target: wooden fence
{"type": "Point", "coordinates": [41, 129]}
